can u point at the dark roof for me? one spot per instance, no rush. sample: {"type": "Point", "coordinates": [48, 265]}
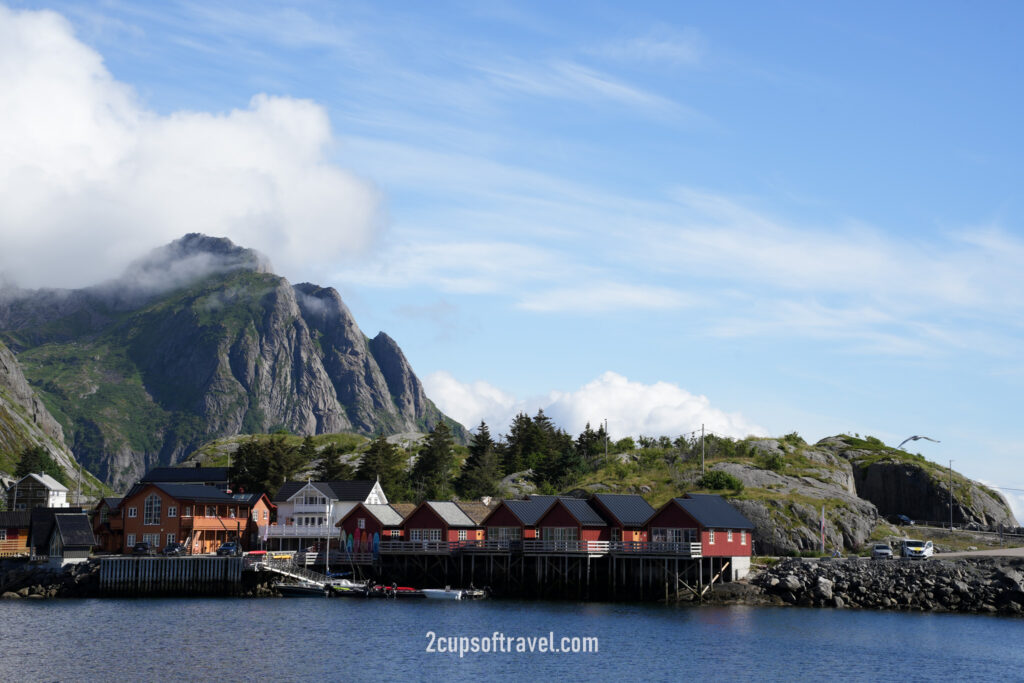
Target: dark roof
{"type": "Point", "coordinates": [529, 511]}
{"type": "Point", "coordinates": [713, 512]}
{"type": "Point", "coordinates": [196, 492]}
{"type": "Point", "coordinates": [15, 520]}
{"type": "Point", "coordinates": [42, 524]}
{"type": "Point", "coordinates": [250, 498]}
{"type": "Point", "coordinates": [355, 490]}
{"type": "Point", "coordinates": [185, 475]}
{"type": "Point", "coordinates": [74, 530]}
{"type": "Point", "coordinates": [628, 509]}
{"type": "Point", "coordinates": [581, 510]}
{"type": "Point", "coordinates": [112, 503]}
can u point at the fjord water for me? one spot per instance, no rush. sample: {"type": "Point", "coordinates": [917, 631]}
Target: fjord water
{"type": "Point", "coordinates": [302, 639]}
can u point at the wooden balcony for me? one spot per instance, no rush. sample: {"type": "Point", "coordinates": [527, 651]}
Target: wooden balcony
{"type": "Point", "coordinates": [655, 548]}
{"type": "Point", "coordinates": [549, 547]}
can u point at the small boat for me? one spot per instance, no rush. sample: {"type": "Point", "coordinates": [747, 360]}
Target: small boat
{"type": "Point", "coordinates": [442, 593]}
{"type": "Point", "coordinates": [299, 590]}
{"type": "Point", "coordinates": [343, 588]}
{"type": "Point", "coordinates": [394, 591]}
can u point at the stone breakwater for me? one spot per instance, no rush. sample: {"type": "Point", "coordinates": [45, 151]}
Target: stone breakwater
{"type": "Point", "coordinates": [974, 585]}
{"type": "Point", "coordinates": [20, 579]}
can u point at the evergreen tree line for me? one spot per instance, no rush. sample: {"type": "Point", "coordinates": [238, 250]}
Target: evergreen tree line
{"type": "Point", "coordinates": [555, 458]}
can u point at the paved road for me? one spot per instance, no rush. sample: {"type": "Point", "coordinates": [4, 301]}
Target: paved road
{"type": "Point", "coordinates": [1000, 552]}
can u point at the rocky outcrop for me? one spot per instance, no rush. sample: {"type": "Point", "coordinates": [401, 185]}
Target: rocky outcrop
{"type": "Point", "coordinates": [24, 420]}
{"type": "Point", "coordinates": [980, 585]}
{"type": "Point", "coordinates": [208, 344]}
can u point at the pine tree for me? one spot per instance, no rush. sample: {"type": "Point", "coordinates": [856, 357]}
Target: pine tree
{"type": "Point", "coordinates": [385, 461]}
{"type": "Point", "coordinates": [263, 465]}
{"type": "Point", "coordinates": [331, 467]}
{"type": "Point", "coordinates": [431, 474]}
{"type": "Point", "coordinates": [481, 471]}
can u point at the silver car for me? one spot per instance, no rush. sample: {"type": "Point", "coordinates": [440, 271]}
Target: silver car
{"type": "Point", "coordinates": [881, 551]}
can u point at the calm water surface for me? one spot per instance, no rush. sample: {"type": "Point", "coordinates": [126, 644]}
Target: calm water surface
{"type": "Point", "coordinates": [293, 639]}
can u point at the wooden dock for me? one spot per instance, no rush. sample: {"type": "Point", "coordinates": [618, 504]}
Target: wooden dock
{"type": "Point", "coordinates": [171, 575]}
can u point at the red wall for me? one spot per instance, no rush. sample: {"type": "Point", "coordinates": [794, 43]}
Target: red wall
{"type": "Point", "coordinates": [674, 517]}
{"type": "Point", "coordinates": [559, 516]}
{"type": "Point", "coordinates": [351, 522]}
{"type": "Point", "coordinates": [722, 547]}
{"type": "Point", "coordinates": [423, 518]}
{"type": "Point", "coordinates": [502, 516]}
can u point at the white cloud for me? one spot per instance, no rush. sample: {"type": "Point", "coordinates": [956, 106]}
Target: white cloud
{"type": "Point", "coordinates": [661, 45]}
{"type": "Point", "coordinates": [631, 408]}
{"type": "Point", "coordinates": [602, 297]}
{"type": "Point", "coordinates": [90, 178]}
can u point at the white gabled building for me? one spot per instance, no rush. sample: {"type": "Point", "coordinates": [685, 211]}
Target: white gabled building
{"type": "Point", "coordinates": [307, 511]}
{"type": "Point", "coordinates": [37, 491]}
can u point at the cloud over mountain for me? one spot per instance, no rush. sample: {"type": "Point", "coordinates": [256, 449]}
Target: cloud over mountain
{"type": "Point", "coordinates": [90, 177]}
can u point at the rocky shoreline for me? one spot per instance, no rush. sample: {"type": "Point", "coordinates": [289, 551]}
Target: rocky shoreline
{"type": "Point", "coordinates": [979, 585]}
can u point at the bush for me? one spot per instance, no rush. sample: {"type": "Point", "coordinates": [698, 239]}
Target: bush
{"type": "Point", "coordinates": [718, 480]}
{"type": "Point", "coordinates": [776, 462]}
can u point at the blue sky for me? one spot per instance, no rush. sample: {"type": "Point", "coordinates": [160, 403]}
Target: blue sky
{"type": "Point", "coordinates": [763, 218]}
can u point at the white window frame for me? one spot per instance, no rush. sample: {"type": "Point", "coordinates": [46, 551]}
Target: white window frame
{"type": "Point", "coordinates": [504, 533]}
{"type": "Point", "coordinates": [361, 523]}
{"type": "Point", "coordinates": [171, 537]}
{"type": "Point", "coordinates": [3, 534]}
{"type": "Point", "coordinates": [561, 533]}
{"type": "Point", "coordinates": [151, 510]}
{"type": "Point", "coordinates": [132, 514]}
{"type": "Point", "coordinates": [728, 536]}
{"type": "Point", "coordinates": [129, 540]}
{"type": "Point", "coordinates": [743, 537]}
{"type": "Point", "coordinates": [463, 535]}
{"type": "Point", "coordinates": [425, 535]}
{"type": "Point", "coordinates": [711, 536]}
{"type": "Point", "coordinates": [172, 510]}
{"type": "Point", "coordinates": [152, 539]}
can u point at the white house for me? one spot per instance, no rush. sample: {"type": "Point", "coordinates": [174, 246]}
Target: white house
{"type": "Point", "coordinates": [307, 511]}
{"type": "Point", "coordinates": [37, 491]}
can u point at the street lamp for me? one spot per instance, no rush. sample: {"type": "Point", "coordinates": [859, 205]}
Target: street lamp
{"type": "Point", "coordinates": [950, 495]}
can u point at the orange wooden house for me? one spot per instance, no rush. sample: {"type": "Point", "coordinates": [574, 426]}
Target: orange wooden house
{"type": "Point", "coordinates": [202, 517]}
{"type": "Point", "coordinates": [14, 536]}
{"type": "Point", "coordinates": [107, 525]}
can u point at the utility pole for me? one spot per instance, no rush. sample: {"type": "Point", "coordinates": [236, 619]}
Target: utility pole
{"type": "Point", "coordinates": [606, 439]}
{"type": "Point", "coordinates": [79, 483]}
{"type": "Point", "coordinates": [702, 449]}
{"type": "Point", "coordinates": [950, 495]}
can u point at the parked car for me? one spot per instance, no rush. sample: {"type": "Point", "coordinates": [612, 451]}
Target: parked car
{"type": "Point", "coordinates": [143, 548]}
{"type": "Point", "coordinates": [881, 551]}
{"type": "Point", "coordinates": [229, 549]}
{"type": "Point", "coordinates": [904, 520]}
{"type": "Point", "coordinates": [173, 549]}
{"type": "Point", "coordinates": [914, 549]}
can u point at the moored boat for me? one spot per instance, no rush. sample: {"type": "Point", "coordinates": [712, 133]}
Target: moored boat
{"type": "Point", "coordinates": [299, 590]}
{"type": "Point", "coordinates": [442, 594]}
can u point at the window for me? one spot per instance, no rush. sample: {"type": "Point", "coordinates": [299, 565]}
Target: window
{"type": "Point", "coordinates": [211, 510]}
{"type": "Point", "coordinates": [3, 534]}
{"type": "Point", "coordinates": [728, 536]}
{"type": "Point", "coordinates": [171, 538]}
{"type": "Point", "coordinates": [462, 534]}
{"type": "Point", "coordinates": [561, 533]}
{"type": "Point", "coordinates": [255, 515]}
{"type": "Point", "coordinates": [104, 515]}
{"type": "Point", "coordinates": [152, 539]}
{"type": "Point", "coordinates": [711, 536]}
{"type": "Point", "coordinates": [151, 511]}
{"type": "Point", "coordinates": [186, 511]}
{"type": "Point", "coordinates": [424, 534]}
{"type": "Point", "coordinates": [172, 510]}
{"type": "Point", "coordinates": [129, 540]}
{"type": "Point", "coordinates": [265, 515]}
{"type": "Point", "coordinates": [361, 523]}
{"type": "Point", "coordinates": [504, 533]}
{"type": "Point", "coordinates": [743, 537]}
{"type": "Point", "coordinates": [231, 513]}
{"type": "Point", "coordinates": [132, 514]}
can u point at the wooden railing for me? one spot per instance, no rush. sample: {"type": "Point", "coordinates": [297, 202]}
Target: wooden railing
{"type": "Point", "coordinates": [536, 546]}
{"type": "Point", "coordinates": [656, 548]}
{"type": "Point", "coordinates": [550, 546]}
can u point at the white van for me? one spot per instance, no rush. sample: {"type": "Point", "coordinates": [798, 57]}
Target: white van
{"type": "Point", "coordinates": [919, 550]}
